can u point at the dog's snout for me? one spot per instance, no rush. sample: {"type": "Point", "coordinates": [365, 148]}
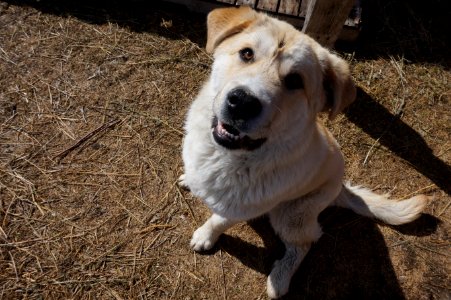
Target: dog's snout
{"type": "Point", "coordinates": [242, 105]}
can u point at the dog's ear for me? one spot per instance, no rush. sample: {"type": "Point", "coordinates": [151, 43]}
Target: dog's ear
{"type": "Point", "coordinates": [337, 82]}
{"type": "Point", "coordinates": [225, 22]}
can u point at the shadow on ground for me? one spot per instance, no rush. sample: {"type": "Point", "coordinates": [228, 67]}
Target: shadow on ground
{"type": "Point", "coordinates": [350, 259]}
{"type": "Point", "coordinates": [415, 30]}
{"type": "Point", "coordinates": [162, 18]}
{"type": "Point", "coordinates": [391, 132]}
{"type": "Point", "coordinates": [411, 29]}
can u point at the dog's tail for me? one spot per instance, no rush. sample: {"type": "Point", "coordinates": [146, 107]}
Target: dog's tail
{"type": "Point", "coordinates": [395, 212]}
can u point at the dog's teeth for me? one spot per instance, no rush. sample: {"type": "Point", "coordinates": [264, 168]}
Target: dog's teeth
{"type": "Point", "coordinates": [222, 131]}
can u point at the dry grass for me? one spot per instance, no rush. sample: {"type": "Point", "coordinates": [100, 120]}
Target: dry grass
{"type": "Point", "coordinates": [92, 102]}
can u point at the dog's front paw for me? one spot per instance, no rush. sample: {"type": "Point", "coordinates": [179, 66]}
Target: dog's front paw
{"type": "Point", "coordinates": [203, 239]}
{"type": "Point", "coordinates": [182, 182]}
{"type": "Point", "coordinates": [278, 282]}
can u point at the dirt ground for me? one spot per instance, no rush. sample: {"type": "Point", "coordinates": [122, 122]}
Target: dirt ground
{"type": "Point", "coordinates": [92, 101]}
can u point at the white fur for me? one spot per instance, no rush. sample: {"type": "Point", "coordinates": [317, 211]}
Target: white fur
{"type": "Point", "coordinates": [298, 171]}
{"type": "Point", "coordinates": [369, 204]}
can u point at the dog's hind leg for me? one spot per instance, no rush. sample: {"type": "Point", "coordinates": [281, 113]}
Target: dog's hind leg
{"type": "Point", "coordinates": [296, 224]}
{"type": "Point", "coordinates": [206, 236]}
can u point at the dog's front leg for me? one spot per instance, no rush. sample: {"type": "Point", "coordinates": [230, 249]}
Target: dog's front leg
{"type": "Point", "coordinates": [206, 236]}
{"type": "Point", "coordinates": [296, 224]}
{"type": "Point", "coordinates": [279, 279]}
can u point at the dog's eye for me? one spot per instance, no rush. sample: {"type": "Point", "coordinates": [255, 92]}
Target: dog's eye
{"type": "Point", "coordinates": [247, 54]}
{"type": "Point", "coordinates": [293, 81]}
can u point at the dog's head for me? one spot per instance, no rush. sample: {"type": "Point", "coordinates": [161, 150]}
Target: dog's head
{"type": "Point", "coordinates": [271, 80]}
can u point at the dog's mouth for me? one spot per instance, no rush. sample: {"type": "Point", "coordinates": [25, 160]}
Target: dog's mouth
{"type": "Point", "coordinates": [232, 138]}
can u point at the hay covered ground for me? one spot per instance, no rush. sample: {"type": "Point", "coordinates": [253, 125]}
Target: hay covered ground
{"type": "Point", "coordinates": [92, 101]}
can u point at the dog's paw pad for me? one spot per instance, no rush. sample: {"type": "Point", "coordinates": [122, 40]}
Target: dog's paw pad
{"type": "Point", "coordinates": [202, 240]}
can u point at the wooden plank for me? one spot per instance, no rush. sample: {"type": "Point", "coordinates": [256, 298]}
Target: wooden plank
{"type": "Point", "coordinates": [303, 9]}
{"type": "Point", "coordinates": [250, 3]}
{"type": "Point", "coordinates": [325, 19]}
{"type": "Point", "coordinates": [269, 5]}
{"type": "Point", "coordinates": [197, 5]}
{"type": "Point", "coordinates": [290, 7]}
{"type": "Point", "coordinates": [227, 1]}
{"type": "Point", "coordinates": [205, 6]}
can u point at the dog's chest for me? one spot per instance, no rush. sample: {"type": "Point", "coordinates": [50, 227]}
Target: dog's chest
{"type": "Point", "coordinates": [230, 189]}
{"type": "Point", "coordinates": [240, 188]}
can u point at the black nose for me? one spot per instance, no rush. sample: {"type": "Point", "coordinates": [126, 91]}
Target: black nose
{"type": "Point", "coordinates": [242, 105]}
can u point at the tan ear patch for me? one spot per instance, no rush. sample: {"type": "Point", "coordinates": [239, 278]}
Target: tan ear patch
{"type": "Point", "coordinates": [225, 22]}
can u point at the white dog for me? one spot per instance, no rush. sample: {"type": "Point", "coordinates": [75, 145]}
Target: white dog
{"type": "Point", "coordinates": [253, 143]}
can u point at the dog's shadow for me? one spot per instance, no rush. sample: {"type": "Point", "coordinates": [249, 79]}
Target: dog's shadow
{"type": "Point", "coordinates": [350, 261]}
{"type": "Point", "coordinates": [390, 131]}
